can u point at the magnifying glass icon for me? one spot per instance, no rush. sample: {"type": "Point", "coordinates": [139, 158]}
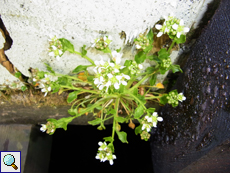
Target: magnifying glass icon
{"type": "Point", "coordinates": [9, 160]}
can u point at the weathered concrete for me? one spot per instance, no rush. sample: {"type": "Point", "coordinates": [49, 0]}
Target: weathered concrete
{"type": "Point", "coordinates": [31, 22]}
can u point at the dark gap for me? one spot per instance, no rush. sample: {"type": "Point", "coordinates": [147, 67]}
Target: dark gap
{"type": "Point", "coordinates": [74, 150]}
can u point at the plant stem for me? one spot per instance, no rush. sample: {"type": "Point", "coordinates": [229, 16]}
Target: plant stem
{"type": "Point", "coordinates": [171, 46]}
{"type": "Point", "coordinates": [86, 57]}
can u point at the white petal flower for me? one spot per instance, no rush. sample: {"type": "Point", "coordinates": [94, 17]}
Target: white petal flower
{"type": "Point", "coordinates": [51, 54]}
{"type": "Point", "coordinates": [116, 70]}
{"type": "Point", "coordinates": [126, 76]}
{"type": "Point", "coordinates": [43, 128]}
{"type": "Point", "coordinates": [186, 29]}
{"type": "Point", "coordinates": [60, 52]}
{"type": "Point", "coordinates": [49, 88]}
{"type": "Point", "coordinates": [111, 162]}
{"type": "Point", "coordinates": [116, 85]}
{"type": "Point", "coordinates": [154, 124]}
{"type": "Point", "coordinates": [124, 83]}
{"type": "Point", "coordinates": [96, 81]}
{"type": "Point", "coordinates": [159, 34]}
{"type": "Point", "coordinates": [154, 114]}
{"type": "Point", "coordinates": [175, 26]}
{"type": "Point", "coordinates": [159, 119]}
{"type": "Point", "coordinates": [138, 46]}
{"type": "Point", "coordinates": [109, 75]}
{"type": "Point", "coordinates": [34, 79]}
{"type": "Point", "coordinates": [178, 34]}
{"type": "Point", "coordinates": [101, 87]}
{"type": "Point", "coordinates": [117, 56]}
{"type": "Point", "coordinates": [158, 26]}
{"type": "Point", "coordinates": [140, 66]}
{"type": "Point", "coordinates": [54, 47]}
{"type": "Point", "coordinates": [119, 77]}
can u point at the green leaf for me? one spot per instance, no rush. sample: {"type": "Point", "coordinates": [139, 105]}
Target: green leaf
{"type": "Point", "coordinates": [176, 68]}
{"type": "Point", "coordinates": [83, 51]}
{"type": "Point", "coordinates": [163, 54]}
{"type": "Point", "coordinates": [150, 34]}
{"type": "Point", "coordinates": [80, 68]}
{"type": "Point", "coordinates": [153, 79]}
{"type": "Point", "coordinates": [180, 40]}
{"type": "Point", "coordinates": [41, 74]}
{"type": "Point", "coordinates": [122, 136]}
{"type": "Point", "coordinates": [67, 45]}
{"type": "Point", "coordinates": [109, 139]}
{"type": "Point", "coordinates": [112, 111]}
{"type": "Point", "coordinates": [72, 96]}
{"type": "Point", "coordinates": [90, 79]}
{"type": "Point", "coordinates": [141, 98]}
{"type": "Point", "coordinates": [138, 129]}
{"type": "Point", "coordinates": [140, 57]}
{"type": "Point", "coordinates": [118, 50]}
{"type": "Point", "coordinates": [163, 99]}
{"type": "Point", "coordinates": [64, 81]}
{"type": "Point", "coordinates": [151, 110]}
{"type": "Point", "coordinates": [150, 70]}
{"type": "Point", "coordinates": [72, 111]}
{"type": "Point", "coordinates": [139, 111]}
{"type": "Point", "coordinates": [23, 88]}
{"type": "Point", "coordinates": [110, 145]}
{"type": "Point", "coordinates": [106, 50]}
{"type": "Point", "coordinates": [163, 70]}
{"type": "Point", "coordinates": [18, 74]}
{"type": "Point", "coordinates": [120, 119]}
{"type": "Point", "coordinates": [147, 49]}
{"type": "Point", "coordinates": [95, 122]}
{"type": "Point", "coordinates": [49, 68]}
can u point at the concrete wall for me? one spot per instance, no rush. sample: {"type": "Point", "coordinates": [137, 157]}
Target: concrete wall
{"type": "Point", "coordinates": [30, 22]}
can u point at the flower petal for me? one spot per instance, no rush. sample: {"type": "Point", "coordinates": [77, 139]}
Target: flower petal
{"type": "Point", "coordinates": [158, 26]}
{"type": "Point", "coordinates": [116, 85]}
{"type": "Point", "coordinates": [159, 34]}
{"type": "Point", "coordinates": [159, 119]}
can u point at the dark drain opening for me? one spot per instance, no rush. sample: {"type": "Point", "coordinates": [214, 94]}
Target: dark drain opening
{"type": "Point", "coordinates": [74, 150]}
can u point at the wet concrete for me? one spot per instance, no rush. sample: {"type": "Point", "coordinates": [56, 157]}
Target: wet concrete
{"type": "Point", "coordinates": [202, 122]}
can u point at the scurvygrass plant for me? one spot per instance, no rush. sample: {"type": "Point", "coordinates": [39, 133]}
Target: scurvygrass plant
{"type": "Point", "coordinates": [114, 87]}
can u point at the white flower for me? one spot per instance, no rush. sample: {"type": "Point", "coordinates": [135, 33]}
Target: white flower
{"type": "Point", "coordinates": [159, 34]}
{"type": "Point", "coordinates": [103, 146]}
{"type": "Point", "coordinates": [126, 76]}
{"type": "Point", "coordinates": [140, 66]}
{"type": "Point", "coordinates": [175, 26]}
{"type": "Point", "coordinates": [158, 26]}
{"type": "Point", "coordinates": [149, 119]}
{"type": "Point", "coordinates": [43, 128]}
{"type": "Point", "coordinates": [110, 158]}
{"type": "Point", "coordinates": [186, 29]}
{"type": "Point", "coordinates": [116, 85]}
{"type": "Point", "coordinates": [54, 47]}
{"type": "Point", "coordinates": [178, 34]}
{"type": "Point", "coordinates": [117, 57]}
{"type": "Point", "coordinates": [109, 75]}
{"type": "Point", "coordinates": [138, 46]}
{"type": "Point", "coordinates": [46, 90]}
{"type": "Point", "coordinates": [181, 97]}
{"type": "Point", "coordinates": [147, 127]}
{"type": "Point", "coordinates": [51, 54]}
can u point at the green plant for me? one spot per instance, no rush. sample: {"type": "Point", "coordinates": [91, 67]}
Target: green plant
{"type": "Point", "coordinates": [113, 87]}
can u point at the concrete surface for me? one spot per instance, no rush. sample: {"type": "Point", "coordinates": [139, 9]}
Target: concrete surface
{"type": "Point", "coordinates": [30, 22]}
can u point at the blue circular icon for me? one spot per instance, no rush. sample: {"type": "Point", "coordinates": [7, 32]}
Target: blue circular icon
{"type": "Point", "coordinates": [8, 159]}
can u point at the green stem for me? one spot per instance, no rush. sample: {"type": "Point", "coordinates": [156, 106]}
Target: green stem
{"type": "Point", "coordinates": [114, 121]}
{"type": "Point", "coordinates": [171, 46]}
{"type": "Point", "coordinates": [86, 57]}
{"type": "Point", "coordinates": [154, 97]}
{"type": "Point", "coordinates": [84, 90]}
{"type": "Point", "coordinates": [133, 79]}
{"type": "Point", "coordinates": [137, 100]}
{"type": "Point", "coordinates": [140, 82]}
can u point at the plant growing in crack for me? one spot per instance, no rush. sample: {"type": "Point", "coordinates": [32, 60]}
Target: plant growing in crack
{"type": "Point", "coordinates": [114, 87]}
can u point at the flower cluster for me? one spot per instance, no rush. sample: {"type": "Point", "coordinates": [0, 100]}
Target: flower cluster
{"type": "Point", "coordinates": [43, 83]}
{"type": "Point", "coordinates": [166, 63]}
{"type": "Point", "coordinates": [135, 68]}
{"type": "Point", "coordinates": [49, 127]}
{"type": "Point", "coordinates": [148, 123]}
{"type": "Point", "coordinates": [105, 153]}
{"type": "Point", "coordinates": [142, 42]}
{"type": "Point", "coordinates": [102, 42]}
{"type": "Point", "coordinates": [173, 27]}
{"type": "Point", "coordinates": [108, 73]}
{"type": "Point", "coordinates": [173, 98]}
{"type": "Point", "coordinates": [55, 47]}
